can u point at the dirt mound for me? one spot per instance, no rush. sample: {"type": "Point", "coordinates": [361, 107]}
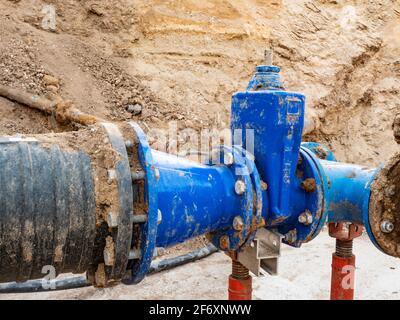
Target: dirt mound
{"type": "Point", "coordinates": [61, 62]}
{"type": "Point", "coordinates": [396, 128]}
{"type": "Point", "coordinates": [183, 60]}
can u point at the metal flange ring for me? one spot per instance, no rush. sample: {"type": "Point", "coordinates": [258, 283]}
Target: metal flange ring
{"type": "Point", "coordinates": [122, 233]}
{"type": "Point", "coordinates": [257, 188]}
{"type": "Point", "coordinates": [145, 239]}
{"type": "Point", "coordinates": [249, 212]}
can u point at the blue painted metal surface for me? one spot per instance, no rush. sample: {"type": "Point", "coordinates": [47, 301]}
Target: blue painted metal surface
{"type": "Point", "coordinates": [193, 199]}
{"type": "Point", "coordinates": [348, 187]}
{"type": "Point", "coordinates": [265, 78]}
{"type": "Point", "coordinates": [301, 202]}
{"type": "Point", "coordinates": [249, 210]}
{"type": "Point", "coordinates": [276, 118]}
{"type": "Point", "coordinates": [289, 186]}
{"type": "Point", "coordinates": [321, 151]}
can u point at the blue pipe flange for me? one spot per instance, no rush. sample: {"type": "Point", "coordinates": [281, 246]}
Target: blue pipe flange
{"type": "Point", "coordinates": [307, 202]}
{"type": "Point", "coordinates": [248, 190]}
{"type": "Point", "coordinates": [258, 190]}
{"type": "Point", "coordinates": [366, 208]}
{"type": "Point", "coordinates": [321, 151]}
{"type": "Point", "coordinates": [146, 204]}
{"type": "Point", "coordinates": [119, 223]}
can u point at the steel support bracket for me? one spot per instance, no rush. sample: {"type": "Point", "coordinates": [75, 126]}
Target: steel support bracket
{"type": "Point", "coordinates": [263, 253]}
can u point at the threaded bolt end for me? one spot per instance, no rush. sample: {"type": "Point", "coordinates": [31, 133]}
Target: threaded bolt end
{"type": "Point", "coordinates": [239, 271]}
{"type": "Point", "coordinates": [344, 249]}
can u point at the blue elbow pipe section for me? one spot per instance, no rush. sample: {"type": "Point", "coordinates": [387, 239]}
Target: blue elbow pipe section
{"type": "Point", "coordinates": [193, 198]}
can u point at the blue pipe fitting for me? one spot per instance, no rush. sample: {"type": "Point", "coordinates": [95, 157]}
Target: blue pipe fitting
{"type": "Point", "coordinates": [276, 118]}
{"type": "Point", "coordinates": [321, 152]}
{"type": "Point", "coordinates": [306, 202]}
{"type": "Point", "coordinates": [196, 199]}
{"type": "Point", "coordinates": [241, 230]}
{"type": "Point", "coordinates": [145, 233]}
{"type": "Point", "coordinates": [186, 199]}
{"type": "Point", "coordinates": [306, 185]}
{"type": "Point", "coordinates": [347, 187]}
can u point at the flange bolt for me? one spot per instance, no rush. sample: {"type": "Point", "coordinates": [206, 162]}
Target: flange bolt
{"type": "Point", "coordinates": [228, 159]}
{"type": "Point", "coordinates": [387, 226]}
{"type": "Point", "coordinates": [306, 218]}
{"type": "Point", "coordinates": [291, 236]}
{"type": "Point", "coordinates": [238, 223]}
{"type": "Point", "coordinates": [240, 187]}
{"type": "Point", "coordinates": [224, 242]}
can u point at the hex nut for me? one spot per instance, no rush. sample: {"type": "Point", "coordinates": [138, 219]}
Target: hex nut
{"type": "Point", "coordinates": [240, 187]}
{"type": "Point", "coordinates": [238, 223]}
{"type": "Point", "coordinates": [291, 236]}
{"type": "Point", "coordinates": [306, 218]}
{"type": "Point", "coordinates": [224, 242]}
{"type": "Point", "coordinates": [228, 158]}
{"type": "Point", "coordinates": [387, 226]}
{"type": "Point", "coordinates": [309, 185]}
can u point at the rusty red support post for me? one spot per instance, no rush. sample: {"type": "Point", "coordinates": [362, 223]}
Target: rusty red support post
{"type": "Point", "coordinates": [343, 260]}
{"type": "Point", "coordinates": [342, 281]}
{"type": "Point", "coordinates": [240, 282]}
